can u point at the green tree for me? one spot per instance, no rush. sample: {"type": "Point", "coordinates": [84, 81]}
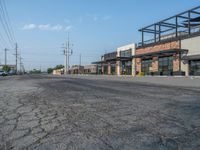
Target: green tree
{"type": "Point", "coordinates": [49, 70]}
{"type": "Point", "coordinates": [59, 67]}
{"type": "Point", "coordinates": [6, 68]}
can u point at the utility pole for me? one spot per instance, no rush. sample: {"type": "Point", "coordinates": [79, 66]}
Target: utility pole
{"type": "Point", "coordinates": [67, 53]}
{"type": "Point", "coordinates": [80, 59]}
{"type": "Point", "coordinates": [65, 61]}
{"type": "Point", "coordinates": [5, 56]}
{"type": "Point", "coordinates": [16, 55]}
{"type": "Point", "coordinates": [20, 63]}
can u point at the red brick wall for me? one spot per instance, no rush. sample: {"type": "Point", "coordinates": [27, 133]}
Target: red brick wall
{"type": "Point", "coordinates": [157, 48]}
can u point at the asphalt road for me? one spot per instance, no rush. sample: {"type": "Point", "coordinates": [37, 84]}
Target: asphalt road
{"type": "Point", "coordinates": [43, 112]}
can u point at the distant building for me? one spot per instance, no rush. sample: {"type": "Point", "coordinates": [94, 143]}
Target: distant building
{"type": "Point", "coordinates": [90, 69]}
{"type": "Point", "coordinates": [118, 62]}
{"type": "Point", "coordinates": [58, 71]}
{"type": "Point", "coordinates": [107, 65]}
{"type": "Point", "coordinates": [76, 69]}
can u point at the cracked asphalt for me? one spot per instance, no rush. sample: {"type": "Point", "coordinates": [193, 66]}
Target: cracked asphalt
{"type": "Point", "coordinates": [47, 113]}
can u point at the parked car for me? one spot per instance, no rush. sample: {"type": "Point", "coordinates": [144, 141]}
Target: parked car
{"type": "Point", "coordinates": [11, 72]}
{"type": "Point", "coordinates": [3, 73]}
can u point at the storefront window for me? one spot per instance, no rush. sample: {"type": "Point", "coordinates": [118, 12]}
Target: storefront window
{"type": "Point", "coordinates": [105, 69]}
{"type": "Point", "coordinates": [194, 67]}
{"type": "Point", "coordinates": [126, 53]}
{"type": "Point", "coordinates": [166, 65]}
{"type": "Point", "coordinates": [113, 67]}
{"type": "Point", "coordinates": [126, 67]}
{"type": "Point", "coordinates": [146, 65]}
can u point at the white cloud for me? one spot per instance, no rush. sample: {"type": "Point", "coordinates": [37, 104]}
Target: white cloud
{"type": "Point", "coordinates": [57, 28]}
{"type": "Point", "coordinates": [47, 27]}
{"type": "Point", "coordinates": [96, 17]}
{"type": "Point", "coordinates": [44, 27]}
{"type": "Point", "coordinates": [29, 26]}
{"type": "Point", "coordinates": [67, 28]}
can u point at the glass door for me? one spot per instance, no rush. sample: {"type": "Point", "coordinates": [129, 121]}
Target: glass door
{"type": "Point", "coordinates": [166, 65]}
{"type": "Point", "coordinates": [146, 65]}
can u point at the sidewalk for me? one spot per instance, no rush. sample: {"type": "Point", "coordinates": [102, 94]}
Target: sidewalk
{"type": "Point", "coordinates": [170, 81]}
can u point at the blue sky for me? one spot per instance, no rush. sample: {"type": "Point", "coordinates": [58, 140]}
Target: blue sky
{"type": "Point", "coordinates": [95, 26]}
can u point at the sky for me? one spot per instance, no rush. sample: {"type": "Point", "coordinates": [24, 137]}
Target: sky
{"type": "Point", "coordinates": [95, 27]}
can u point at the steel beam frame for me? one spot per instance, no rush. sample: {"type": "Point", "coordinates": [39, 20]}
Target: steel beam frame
{"type": "Point", "coordinates": [174, 24]}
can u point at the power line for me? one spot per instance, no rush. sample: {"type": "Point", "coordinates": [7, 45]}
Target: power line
{"type": "Point", "coordinates": [5, 24]}
{"type": "Point", "coordinates": [8, 18]}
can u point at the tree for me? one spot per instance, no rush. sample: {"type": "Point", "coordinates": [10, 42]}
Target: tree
{"type": "Point", "coordinates": [6, 68]}
{"type": "Point", "coordinates": [59, 67]}
{"type": "Point", "coordinates": [49, 70]}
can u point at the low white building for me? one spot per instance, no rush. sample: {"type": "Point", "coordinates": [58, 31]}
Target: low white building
{"type": "Point", "coordinates": [126, 64]}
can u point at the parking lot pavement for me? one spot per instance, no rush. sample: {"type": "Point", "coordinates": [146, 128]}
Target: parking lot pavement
{"type": "Point", "coordinates": [45, 112]}
{"type": "Point", "coordinates": [158, 80]}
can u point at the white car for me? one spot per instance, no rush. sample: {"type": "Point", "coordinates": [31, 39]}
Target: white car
{"type": "Point", "coordinates": [3, 73]}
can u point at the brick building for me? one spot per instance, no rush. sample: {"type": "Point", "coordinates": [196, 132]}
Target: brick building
{"type": "Point", "coordinates": [119, 62]}
{"type": "Point", "coordinates": [172, 47]}
{"type": "Point", "coordinates": [90, 69]}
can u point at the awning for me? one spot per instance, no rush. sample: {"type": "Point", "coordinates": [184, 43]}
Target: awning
{"type": "Point", "coordinates": [161, 53]}
{"type": "Point", "coordinates": [98, 62]}
{"type": "Point", "coordinates": [124, 58]}
{"type": "Point", "coordinates": [192, 57]}
{"type": "Point", "coordinates": [113, 60]}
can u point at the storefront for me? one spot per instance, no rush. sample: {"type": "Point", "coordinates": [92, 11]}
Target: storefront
{"type": "Point", "coordinates": [165, 65]}
{"type": "Point", "coordinates": [146, 66]}
{"type": "Point", "coordinates": [162, 63]}
{"type": "Point", "coordinates": [105, 68]}
{"type": "Point", "coordinates": [113, 68]}
{"type": "Point", "coordinates": [194, 67]}
{"type": "Point", "coordinates": [125, 59]}
{"type": "Point", "coordinates": [126, 67]}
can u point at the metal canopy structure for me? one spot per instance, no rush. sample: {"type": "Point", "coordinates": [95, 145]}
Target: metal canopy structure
{"type": "Point", "coordinates": [185, 23]}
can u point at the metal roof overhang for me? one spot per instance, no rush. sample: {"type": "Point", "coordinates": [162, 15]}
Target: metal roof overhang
{"type": "Point", "coordinates": [160, 53]}
{"type": "Point", "coordinates": [113, 60]}
{"type": "Point", "coordinates": [124, 58]}
{"type": "Point", "coordinates": [98, 62]}
{"type": "Point", "coordinates": [192, 57]}
{"type": "Point", "coordinates": [105, 61]}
